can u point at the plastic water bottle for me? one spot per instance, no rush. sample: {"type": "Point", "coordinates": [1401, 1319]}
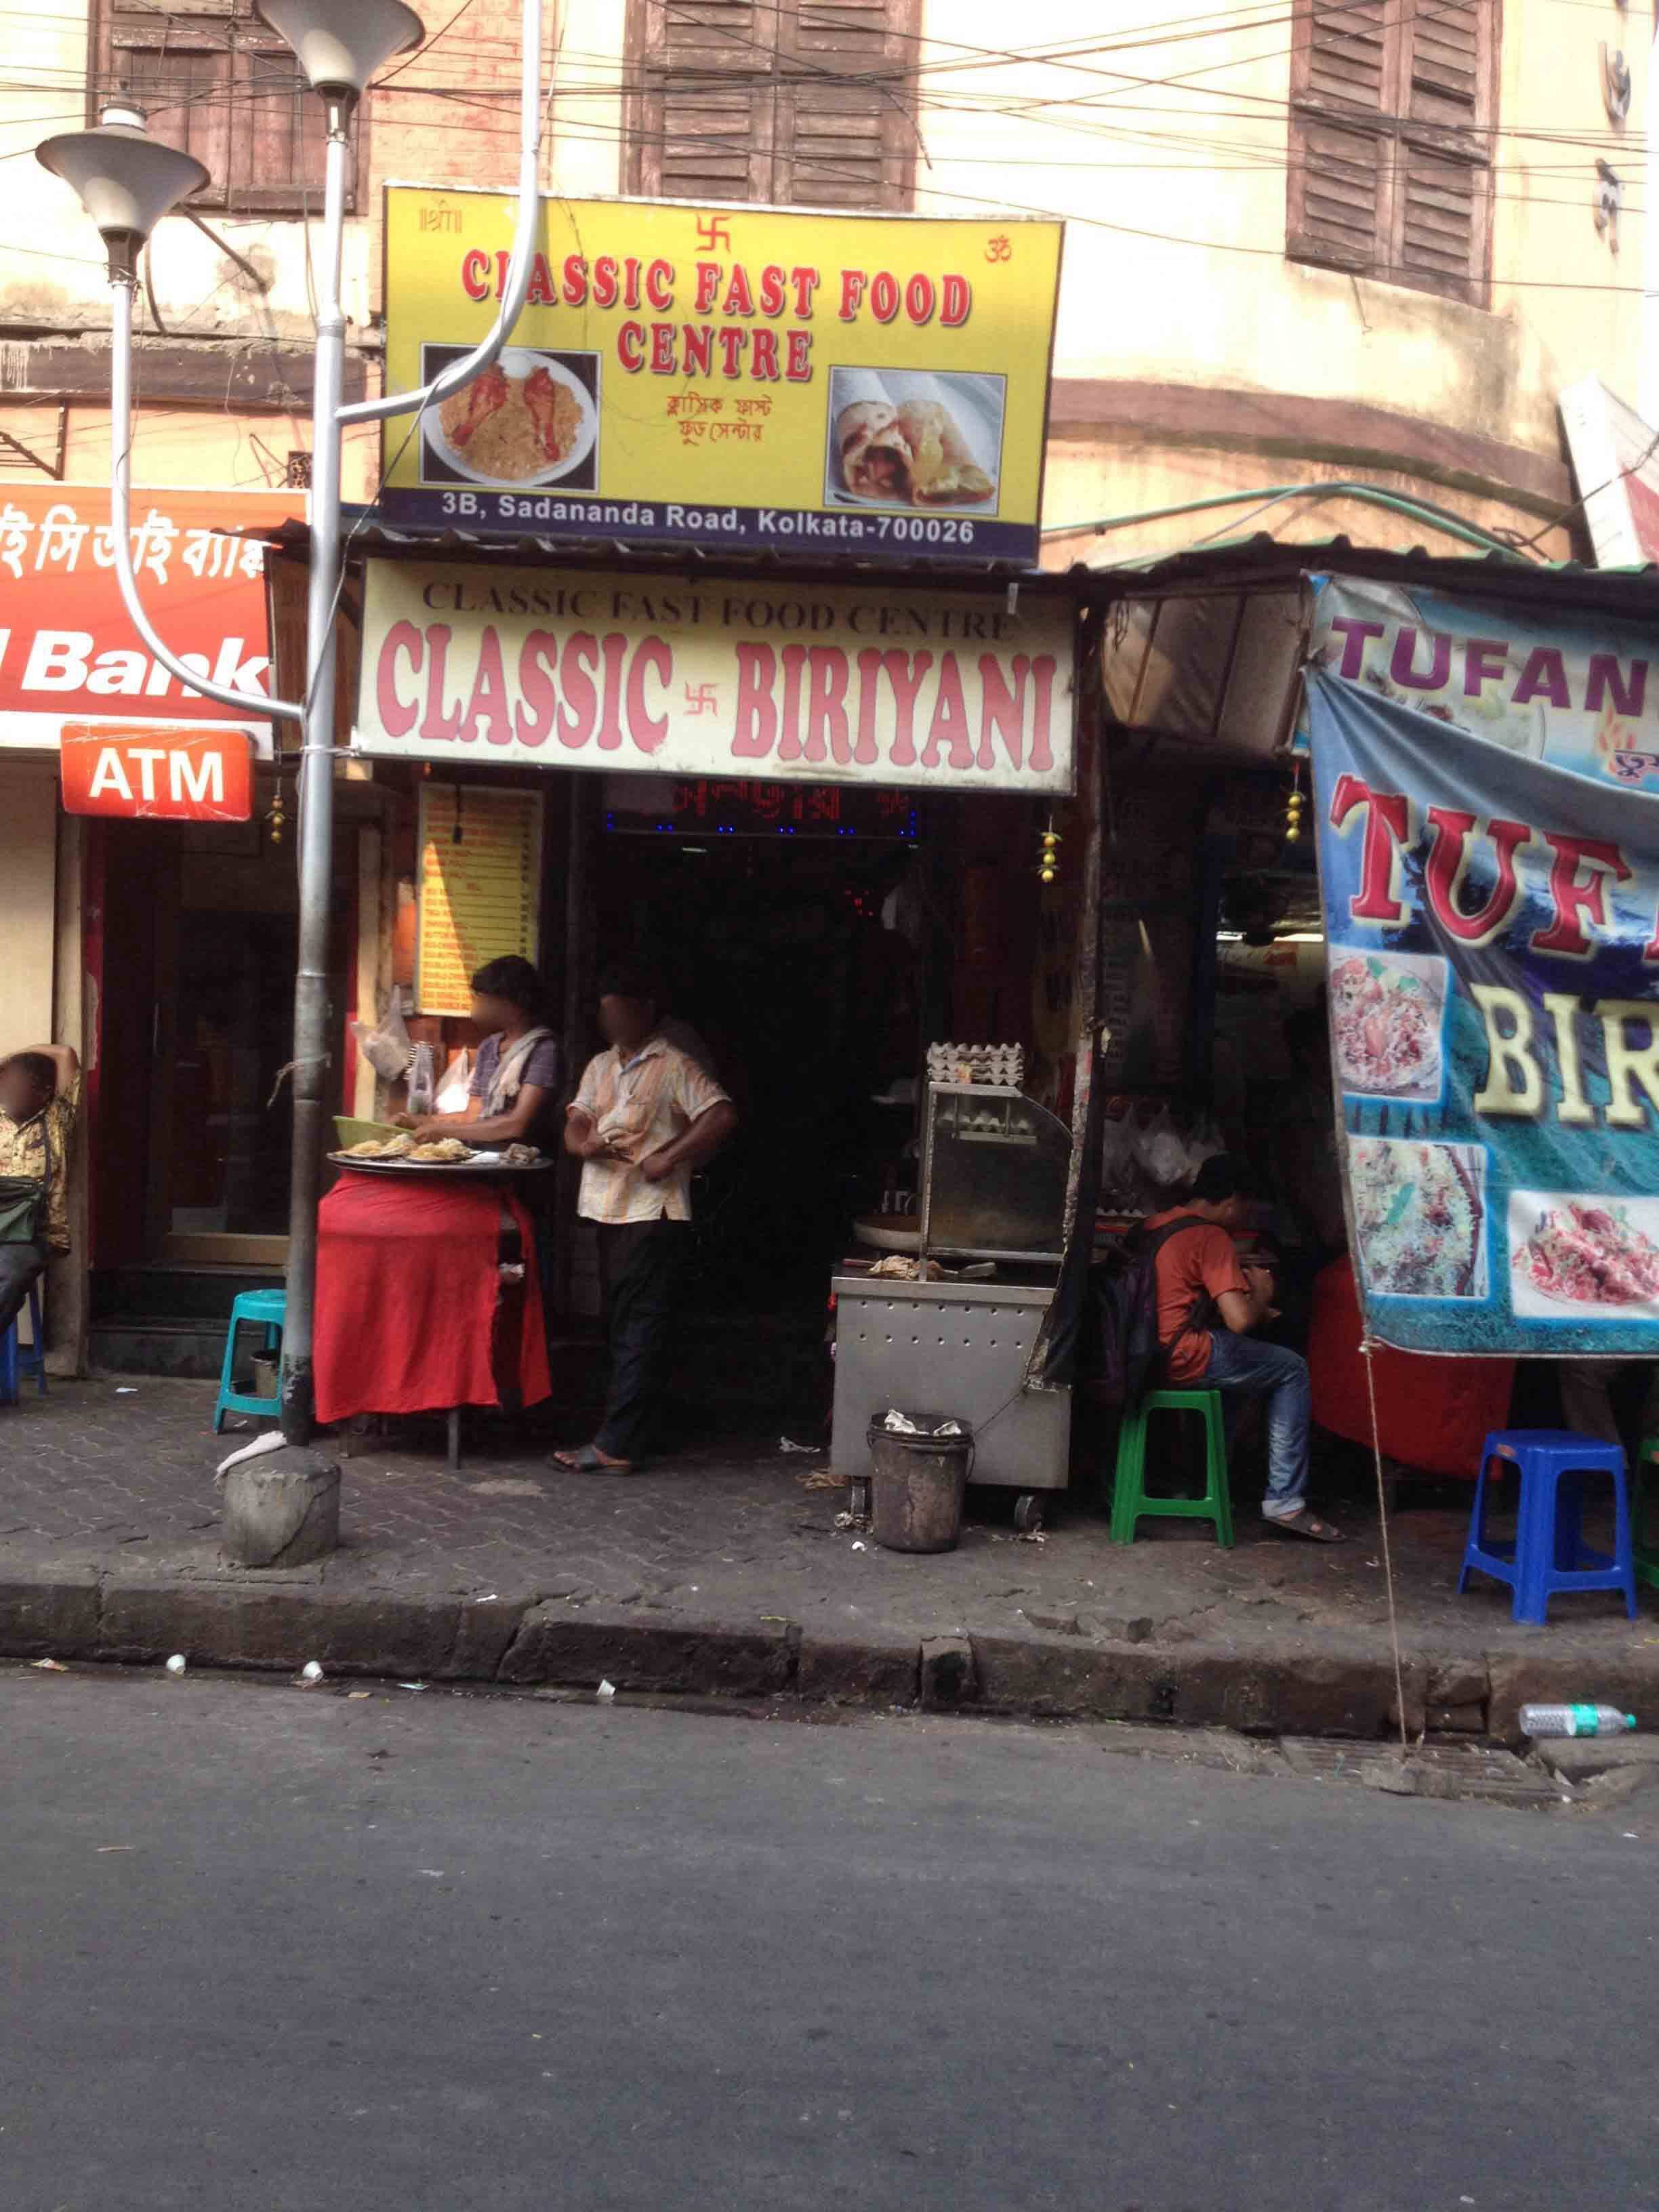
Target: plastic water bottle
{"type": "Point", "coordinates": [1575, 1720]}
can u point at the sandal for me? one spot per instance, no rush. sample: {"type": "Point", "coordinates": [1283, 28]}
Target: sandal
{"type": "Point", "coordinates": [1304, 1523]}
{"type": "Point", "coordinates": [589, 1459]}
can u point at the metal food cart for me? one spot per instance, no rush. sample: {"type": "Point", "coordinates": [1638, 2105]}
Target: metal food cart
{"type": "Point", "coordinates": [993, 1202]}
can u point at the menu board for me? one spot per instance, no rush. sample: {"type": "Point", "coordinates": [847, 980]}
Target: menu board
{"type": "Point", "coordinates": [480, 886]}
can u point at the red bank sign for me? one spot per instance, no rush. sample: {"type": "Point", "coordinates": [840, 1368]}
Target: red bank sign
{"type": "Point", "coordinates": [672, 676]}
{"type": "Point", "coordinates": [67, 648]}
{"type": "Point", "coordinates": [147, 772]}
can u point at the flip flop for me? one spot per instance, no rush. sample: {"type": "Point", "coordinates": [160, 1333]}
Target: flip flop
{"type": "Point", "coordinates": [1304, 1523]}
{"type": "Point", "coordinates": [587, 1461]}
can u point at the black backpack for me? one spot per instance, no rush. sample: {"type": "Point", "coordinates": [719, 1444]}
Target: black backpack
{"type": "Point", "coordinates": [1124, 1357]}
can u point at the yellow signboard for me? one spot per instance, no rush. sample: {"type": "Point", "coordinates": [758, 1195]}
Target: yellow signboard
{"type": "Point", "coordinates": [814, 385]}
{"type": "Point", "coordinates": [480, 887]}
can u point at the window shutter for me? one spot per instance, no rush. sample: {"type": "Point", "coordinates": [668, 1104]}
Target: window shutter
{"type": "Point", "coordinates": [185, 92]}
{"type": "Point", "coordinates": [845, 132]}
{"type": "Point", "coordinates": [1391, 102]}
{"type": "Point", "coordinates": [704, 123]}
{"type": "Point", "coordinates": [1444, 187]}
{"type": "Point", "coordinates": [798, 102]}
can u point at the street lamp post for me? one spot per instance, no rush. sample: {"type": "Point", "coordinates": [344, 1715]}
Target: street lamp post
{"type": "Point", "coordinates": [127, 183]}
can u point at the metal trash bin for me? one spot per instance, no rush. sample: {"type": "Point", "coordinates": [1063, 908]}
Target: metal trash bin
{"type": "Point", "coordinates": [919, 1481]}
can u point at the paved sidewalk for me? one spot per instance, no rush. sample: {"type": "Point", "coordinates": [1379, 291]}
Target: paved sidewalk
{"type": "Point", "coordinates": [724, 1569]}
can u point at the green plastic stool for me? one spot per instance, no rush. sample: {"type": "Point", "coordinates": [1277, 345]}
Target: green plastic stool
{"type": "Point", "coordinates": [1643, 1548]}
{"type": "Point", "coordinates": [1129, 1498]}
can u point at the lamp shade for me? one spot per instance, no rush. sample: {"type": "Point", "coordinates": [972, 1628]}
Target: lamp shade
{"type": "Point", "coordinates": [127, 181]}
{"type": "Point", "coordinates": [341, 43]}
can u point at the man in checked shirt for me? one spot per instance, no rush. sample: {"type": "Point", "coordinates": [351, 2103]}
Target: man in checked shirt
{"type": "Point", "coordinates": [645, 1114]}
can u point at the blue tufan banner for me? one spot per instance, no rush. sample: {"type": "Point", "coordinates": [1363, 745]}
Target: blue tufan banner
{"type": "Point", "coordinates": [1492, 928]}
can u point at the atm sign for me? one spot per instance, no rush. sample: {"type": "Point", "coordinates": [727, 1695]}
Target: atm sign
{"type": "Point", "coordinates": [148, 772]}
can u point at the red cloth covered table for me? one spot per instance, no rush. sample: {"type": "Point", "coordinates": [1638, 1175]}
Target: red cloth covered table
{"type": "Point", "coordinates": [408, 1281]}
{"type": "Point", "coordinates": [1432, 1413]}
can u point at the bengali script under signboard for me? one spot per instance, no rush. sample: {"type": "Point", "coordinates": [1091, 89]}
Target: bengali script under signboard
{"type": "Point", "coordinates": [479, 893]}
{"type": "Point", "coordinates": [853, 683]}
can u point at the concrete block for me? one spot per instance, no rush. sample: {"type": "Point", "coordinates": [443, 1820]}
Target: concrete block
{"type": "Point", "coordinates": [483, 1637]}
{"type": "Point", "coordinates": [220, 1626]}
{"type": "Point", "coordinates": [869, 1666]}
{"type": "Point", "coordinates": [48, 1617]}
{"type": "Point", "coordinates": [1455, 1681]}
{"type": "Point", "coordinates": [1310, 1693]}
{"type": "Point", "coordinates": [282, 1509]}
{"type": "Point", "coordinates": [644, 1652]}
{"type": "Point", "coordinates": [1582, 1758]}
{"type": "Point", "coordinates": [949, 1673]}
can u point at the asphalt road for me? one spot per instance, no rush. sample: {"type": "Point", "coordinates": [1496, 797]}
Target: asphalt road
{"type": "Point", "coordinates": [268, 1949]}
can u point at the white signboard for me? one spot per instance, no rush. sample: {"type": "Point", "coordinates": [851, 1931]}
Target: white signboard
{"type": "Point", "coordinates": [1615, 459]}
{"type": "Point", "coordinates": [693, 677]}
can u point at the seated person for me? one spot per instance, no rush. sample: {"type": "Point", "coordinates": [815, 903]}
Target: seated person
{"type": "Point", "coordinates": [39, 1089]}
{"type": "Point", "coordinates": [1208, 1302]}
{"type": "Point", "coordinates": [515, 1080]}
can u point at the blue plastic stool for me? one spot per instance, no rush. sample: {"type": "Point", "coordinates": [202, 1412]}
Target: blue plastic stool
{"type": "Point", "coordinates": [1549, 1552]}
{"type": "Point", "coordinates": [269, 1309]}
{"type": "Point", "coordinates": [15, 1361]}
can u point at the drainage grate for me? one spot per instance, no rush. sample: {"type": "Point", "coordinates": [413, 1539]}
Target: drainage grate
{"type": "Point", "coordinates": [1464, 1770]}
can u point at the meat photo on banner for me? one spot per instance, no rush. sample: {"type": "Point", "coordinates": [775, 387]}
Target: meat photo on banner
{"type": "Point", "coordinates": [1491, 914]}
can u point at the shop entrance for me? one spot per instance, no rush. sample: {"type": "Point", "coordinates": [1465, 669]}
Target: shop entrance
{"type": "Point", "coordinates": [781, 953]}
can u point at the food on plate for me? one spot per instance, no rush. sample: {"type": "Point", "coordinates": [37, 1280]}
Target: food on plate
{"type": "Point", "coordinates": [1590, 1255]}
{"type": "Point", "coordinates": [513, 428]}
{"type": "Point", "coordinates": [942, 469]}
{"type": "Point", "coordinates": [1387, 1024]}
{"type": "Point", "coordinates": [381, 1148]}
{"type": "Point", "coordinates": [441, 1150]}
{"type": "Point", "coordinates": [1420, 1214]}
{"type": "Point", "coordinates": [875, 454]}
{"type": "Point", "coordinates": [521, 1156]}
{"type": "Point", "coordinates": [914, 454]}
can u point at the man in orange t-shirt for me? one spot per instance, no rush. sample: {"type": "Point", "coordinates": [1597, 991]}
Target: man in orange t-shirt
{"type": "Point", "coordinates": [1208, 1302]}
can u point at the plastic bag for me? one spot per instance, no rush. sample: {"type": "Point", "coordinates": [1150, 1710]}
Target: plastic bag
{"type": "Point", "coordinates": [422, 1087]}
{"type": "Point", "coordinates": [387, 1049]}
{"type": "Point", "coordinates": [1162, 1152]}
{"type": "Point", "coordinates": [455, 1090]}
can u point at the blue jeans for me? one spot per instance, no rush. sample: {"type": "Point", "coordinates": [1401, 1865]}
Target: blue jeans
{"type": "Point", "coordinates": [1268, 1370]}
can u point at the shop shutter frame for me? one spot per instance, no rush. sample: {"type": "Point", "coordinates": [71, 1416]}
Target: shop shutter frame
{"type": "Point", "coordinates": [1390, 170]}
{"type": "Point", "coordinates": [796, 102]}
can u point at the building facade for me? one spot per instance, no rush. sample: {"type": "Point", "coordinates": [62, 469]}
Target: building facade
{"type": "Point", "coordinates": [1365, 243]}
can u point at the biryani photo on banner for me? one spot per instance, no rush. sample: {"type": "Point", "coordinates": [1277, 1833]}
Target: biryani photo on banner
{"type": "Point", "coordinates": [531, 421]}
{"type": "Point", "coordinates": [906, 438]}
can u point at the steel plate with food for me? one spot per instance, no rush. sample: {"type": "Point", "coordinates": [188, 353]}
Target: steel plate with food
{"type": "Point", "coordinates": [404, 1154]}
{"type": "Point", "coordinates": [529, 420]}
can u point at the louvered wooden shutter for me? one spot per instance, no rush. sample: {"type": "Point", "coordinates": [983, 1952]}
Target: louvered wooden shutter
{"type": "Point", "coordinates": [801, 101]}
{"type": "Point", "coordinates": [704, 125]}
{"type": "Point", "coordinates": [845, 100]}
{"type": "Point", "coordinates": [1347, 60]}
{"type": "Point", "coordinates": [1443, 188]}
{"type": "Point", "coordinates": [1390, 143]}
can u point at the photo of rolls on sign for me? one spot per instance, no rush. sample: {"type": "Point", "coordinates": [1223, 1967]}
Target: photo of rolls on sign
{"type": "Point", "coordinates": [942, 469]}
{"type": "Point", "coordinates": [875, 457]}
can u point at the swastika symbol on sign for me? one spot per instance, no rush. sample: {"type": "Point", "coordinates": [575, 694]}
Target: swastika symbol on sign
{"type": "Point", "coordinates": [701, 699]}
{"type": "Point", "coordinates": [712, 231]}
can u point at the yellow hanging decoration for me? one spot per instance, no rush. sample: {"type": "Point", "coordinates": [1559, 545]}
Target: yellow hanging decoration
{"type": "Point", "coordinates": [276, 818]}
{"type": "Point", "coordinates": [1049, 864]}
{"type": "Point", "coordinates": [1294, 807]}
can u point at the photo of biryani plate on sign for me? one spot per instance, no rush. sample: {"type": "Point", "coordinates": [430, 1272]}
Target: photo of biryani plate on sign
{"type": "Point", "coordinates": [905, 438]}
{"type": "Point", "coordinates": [531, 419]}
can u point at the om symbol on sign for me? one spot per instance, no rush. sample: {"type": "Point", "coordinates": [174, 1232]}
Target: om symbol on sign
{"type": "Point", "coordinates": [1001, 248]}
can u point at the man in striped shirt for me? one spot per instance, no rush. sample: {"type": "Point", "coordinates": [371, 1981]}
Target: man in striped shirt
{"type": "Point", "coordinates": [645, 1117]}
